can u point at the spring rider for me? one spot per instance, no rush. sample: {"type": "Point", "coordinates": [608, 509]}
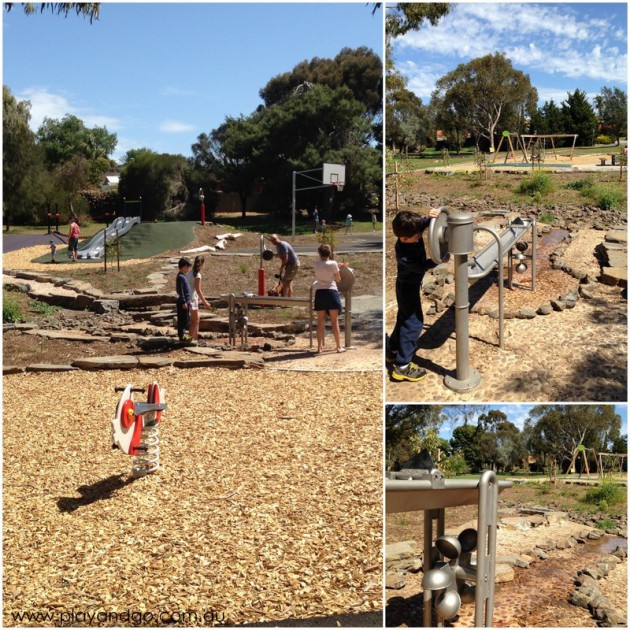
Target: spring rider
{"type": "Point", "coordinates": [135, 428]}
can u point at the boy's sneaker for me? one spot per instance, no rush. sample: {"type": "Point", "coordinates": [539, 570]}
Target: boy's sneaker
{"type": "Point", "coordinates": [186, 339]}
{"type": "Point", "coordinates": [412, 373]}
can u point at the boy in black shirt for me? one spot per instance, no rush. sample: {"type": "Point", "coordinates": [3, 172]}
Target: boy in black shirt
{"type": "Point", "coordinates": [412, 263]}
{"type": "Point", "coordinates": [183, 299]}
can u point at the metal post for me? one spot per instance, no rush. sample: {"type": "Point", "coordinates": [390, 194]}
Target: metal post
{"type": "Point", "coordinates": [427, 566]}
{"type": "Point", "coordinates": [348, 318]}
{"type": "Point", "coordinates": [231, 327]}
{"type": "Point", "coordinates": [486, 549]}
{"type": "Point", "coordinates": [534, 239]}
{"type": "Point", "coordinates": [460, 244]}
{"type": "Point", "coordinates": [203, 207]}
{"type": "Point", "coordinates": [293, 205]}
{"type": "Point", "coordinates": [117, 250]}
{"type": "Point", "coordinates": [310, 315]}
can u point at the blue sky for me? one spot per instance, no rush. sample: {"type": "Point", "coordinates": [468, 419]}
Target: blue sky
{"type": "Point", "coordinates": [160, 74]}
{"type": "Point", "coordinates": [519, 413]}
{"type": "Point", "coordinates": [562, 46]}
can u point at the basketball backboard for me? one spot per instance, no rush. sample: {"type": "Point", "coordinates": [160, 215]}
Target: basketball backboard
{"type": "Point", "coordinates": [334, 175]}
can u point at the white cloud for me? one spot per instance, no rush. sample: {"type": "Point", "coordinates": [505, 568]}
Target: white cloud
{"type": "Point", "coordinates": [421, 79]}
{"type": "Point", "coordinates": [46, 104]}
{"type": "Point", "coordinates": [174, 126]}
{"type": "Point", "coordinates": [546, 94]}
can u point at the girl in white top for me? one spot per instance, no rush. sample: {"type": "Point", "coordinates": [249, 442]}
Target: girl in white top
{"type": "Point", "coordinates": [197, 296]}
{"type": "Point", "coordinates": [327, 298]}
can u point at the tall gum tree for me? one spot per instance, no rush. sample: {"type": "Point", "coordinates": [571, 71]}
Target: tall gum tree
{"type": "Point", "coordinates": [487, 92]}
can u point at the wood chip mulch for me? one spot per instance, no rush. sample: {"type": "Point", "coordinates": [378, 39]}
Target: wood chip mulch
{"type": "Point", "coordinates": [268, 504]}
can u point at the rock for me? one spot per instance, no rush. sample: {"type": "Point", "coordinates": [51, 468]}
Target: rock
{"type": "Point", "coordinates": [104, 306]}
{"type": "Point", "coordinates": [593, 572]}
{"type": "Point", "coordinates": [526, 313]}
{"type": "Point", "coordinates": [544, 309]}
{"type": "Point", "coordinates": [218, 362]}
{"type": "Point", "coordinates": [580, 599]}
{"type": "Point", "coordinates": [548, 545]}
{"type": "Point", "coordinates": [515, 522]}
{"type": "Point", "coordinates": [117, 362]}
{"type": "Point", "coordinates": [67, 335]}
{"type": "Point", "coordinates": [154, 362]}
{"type": "Point", "coordinates": [536, 519]}
{"type": "Point", "coordinates": [585, 293]}
{"type": "Point", "coordinates": [11, 369]}
{"type": "Point", "coordinates": [617, 235]}
{"type": "Point", "coordinates": [614, 276]}
{"type": "Point", "coordinates": [594, 535]}
{"type": "Point", "coordinates": [539, 553]}
{"type": "Point", "coordinates": [49, 367]}
{"type": "Point", "coordinates": [503, 573]}
{"type": "Point", "coordinates": [523, 561]}
{"type": "Point", "coordinates": [620, 552]}
{"type": "Point", "coordinates": [611, 617]}
{"type": "Point", "coordinates": [558, 305]}
{"type": "Point", "coordinates": [401, 551]}
{"type": "Point", "coordinates": [395, 581]}
{"type": "Point", "coordinates": [556, 517]}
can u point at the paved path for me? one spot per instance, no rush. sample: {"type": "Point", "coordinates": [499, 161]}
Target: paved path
{"type": "Point", "coordinates": [13, 242]}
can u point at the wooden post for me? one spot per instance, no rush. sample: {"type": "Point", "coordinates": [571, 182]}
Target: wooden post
{"type": "Point", "coordinates": [105, 249]}
{"type": "Point", "coordinates": [117, 250]}
{"type": "Point", "coordinates": [396, 182]}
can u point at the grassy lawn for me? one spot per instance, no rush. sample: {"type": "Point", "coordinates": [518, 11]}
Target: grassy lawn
{"type": "Point", "coordinates": [88, 229]}
{"type": "Point", "coordinates": [432, 157]}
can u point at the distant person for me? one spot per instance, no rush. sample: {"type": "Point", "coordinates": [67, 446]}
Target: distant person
{"type": "Point", "coordinates": [348, 224]}
{"type": "Point", "coordinates": [323, 226]}
{"type": "Point", "coordinates": [197, 296]}
{"type": "Point", "coordinates": [290, 263]}
{"type": "Point", "coordinates": [53, 250]}
{"type": "Point", "coordinates": [412, 263]}
{"type": "Point", "coordinates": [73, 239]}
{"type": "Point", "coordinates": [315, 220]}
{"type": "Point", "coordinates": [373, 221]}
{"type": "Point", "coordinates": [327, 298]}
{"type": "Point", "coordinates": [184, 297]}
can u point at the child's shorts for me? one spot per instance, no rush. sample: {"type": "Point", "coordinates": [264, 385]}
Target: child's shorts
{"type": "Point", "coordinates": [194, 302]}
{"type": "Point", "coordinates": [327, 300]}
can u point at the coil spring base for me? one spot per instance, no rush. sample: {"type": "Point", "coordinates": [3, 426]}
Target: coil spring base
{"type": "Point", "coordinates": [148, 459]}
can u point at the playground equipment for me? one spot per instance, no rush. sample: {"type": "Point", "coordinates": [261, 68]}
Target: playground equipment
{"type": "Point", "coordinates": [616, 463]}
{"type": "Point", "coordinates": [238, 308]}
{"type": "Point", "coordinates": [452, 233]}
{"type": "Point", "coordinates": [532, 144]}
{"type": "Point", "coordinates": [332, 175]}
{"type": "Point", "coordinates": [265, 254]}
{"type": "Point", "coordinates": [95, 247]}
{"type": "Point", "coordinates": [135, 428]}
{"type": "Point", "coordinates": [451, 576]}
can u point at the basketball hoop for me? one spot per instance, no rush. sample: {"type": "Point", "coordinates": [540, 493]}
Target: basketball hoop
{"type": "Point", "coordinates": [339, 186]}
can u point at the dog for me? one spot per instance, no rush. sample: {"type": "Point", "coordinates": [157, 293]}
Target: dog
{"type": "Point", "coordinates": [277, 290]}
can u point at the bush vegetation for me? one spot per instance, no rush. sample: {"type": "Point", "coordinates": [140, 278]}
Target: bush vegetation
{"type": "Point", "coordinates": [11, 309]}
{"type": "Point", "coordinates": [608, 493]}
{"type": "Point", "coordinates": [536, 184]}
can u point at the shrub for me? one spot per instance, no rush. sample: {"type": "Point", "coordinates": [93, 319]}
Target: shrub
{"type": "Point", "coordinates": [546, 217]}
{"type": "Point", "coordinates": [11, 309]}
{"type": "Point", "coordinates": [603, 140]}
{"type": "Point", "coordinates": [607, 197]}
{"type": "Point", "coordinates": [540, 183]}
{"type": "Point", "coordinates": [605, 523]}
{"type": "Point", "coordinates": [454, 465]}
{"type": "Point", "coordinates": [585, 183]}
{"type": "Point", "coordinates": [609, 492]}
{"type": "Point", "coordinates": [43, 308]}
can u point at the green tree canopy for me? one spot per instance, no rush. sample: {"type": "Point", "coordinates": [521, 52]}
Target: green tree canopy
{"type": "Point", "coordinates": [555, 431]}
{"type": "Point", "coordinates": [405, 426]}
{"type": "Point", "coordinates": [159, 179]}
{"type": "Point", "coordinates": [579, 118]}
{"type": "Point", "coordinates": [487, 94]}
{"type": "Point", "coordinates": [612, 107]}
{"type": "Point", "coordinates": [22, 166]}
{"type": "Point", "coordinates": [403, 16]}
{"type": "Point", "coordinates": [86, 9]}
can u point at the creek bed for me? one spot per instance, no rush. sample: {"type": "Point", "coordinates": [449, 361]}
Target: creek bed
{"type": "Point", "coordinates": [539, 596]}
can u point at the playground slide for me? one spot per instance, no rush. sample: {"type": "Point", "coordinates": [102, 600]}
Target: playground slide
{"type": "Point", "coordinates": [95, 246]}
{"type": "Point", "coordinates": [484, 261]}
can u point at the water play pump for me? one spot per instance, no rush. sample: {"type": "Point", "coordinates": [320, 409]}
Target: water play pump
{"type": "Point", "coordinates": [452, 576]}
{"type": "Point", "coordinates": [265, 254]}
{"type": "Point", "coordinates": [135, 428]}
{"type": "Point", "coordinates": [452, 233]}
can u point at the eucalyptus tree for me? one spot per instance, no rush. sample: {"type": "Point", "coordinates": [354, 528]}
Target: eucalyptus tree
{"type": "Point", "coordinates": [486, 94]}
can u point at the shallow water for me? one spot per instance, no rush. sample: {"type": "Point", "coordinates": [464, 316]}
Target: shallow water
{"type": "Point", "coordinates": [539, 596]}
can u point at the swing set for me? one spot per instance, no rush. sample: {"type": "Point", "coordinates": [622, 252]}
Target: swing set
{"type": "Point", "coordinates": [615, 462]}
{"type": "Point", "coordinates": [532, 146]}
